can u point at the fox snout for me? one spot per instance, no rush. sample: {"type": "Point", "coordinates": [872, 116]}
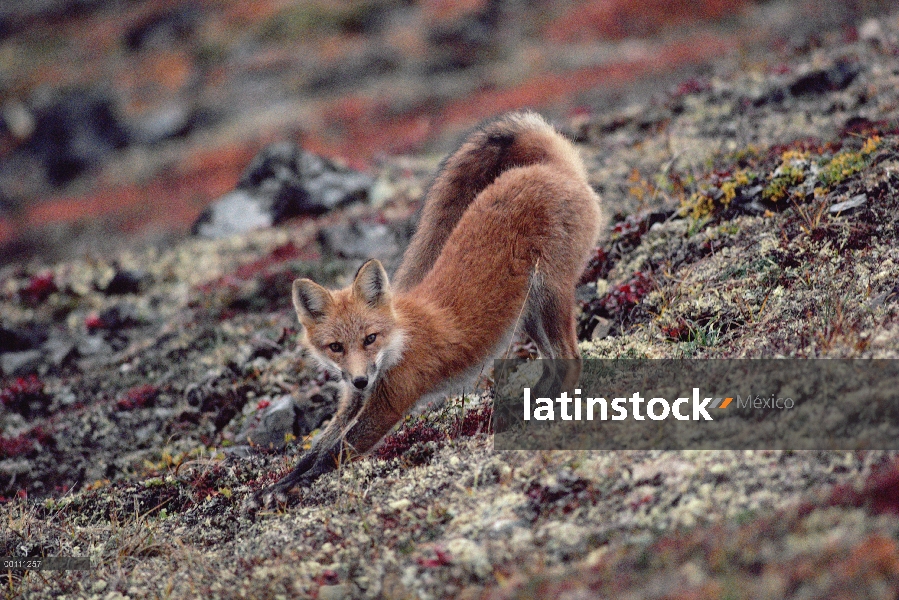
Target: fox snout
{"type": "Point", "coordinates": [361, 381]}
{"type": "Point", "coordinates": [362, 376]}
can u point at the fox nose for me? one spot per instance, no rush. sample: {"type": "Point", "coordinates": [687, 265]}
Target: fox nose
{"type": "Point", "coordinates": [360, 382]}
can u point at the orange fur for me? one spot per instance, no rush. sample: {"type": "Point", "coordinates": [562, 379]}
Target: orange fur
{"type": "Point", "coordinates": [505, 233]}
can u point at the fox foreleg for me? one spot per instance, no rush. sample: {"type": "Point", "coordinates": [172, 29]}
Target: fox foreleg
{"type": "Point", "coordinates": [325, 454]}
{"type": "Point", "coordinates": [375, 420]}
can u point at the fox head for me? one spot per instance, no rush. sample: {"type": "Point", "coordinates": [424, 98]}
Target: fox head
{"type": "Point", "coordinates": [352, 332]}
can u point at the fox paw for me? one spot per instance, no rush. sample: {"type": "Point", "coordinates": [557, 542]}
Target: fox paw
{"type": "Point", "coordinates": [276, 495]}
{"type": "Point", "coordinates": [266, 499]}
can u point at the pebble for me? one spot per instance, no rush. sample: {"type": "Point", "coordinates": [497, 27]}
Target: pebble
{"type": "Point", "coordinates": [21, 363]}
{"type": "Point", "coordinates": [333, 592]}
{"type": "Point", "coordinates": [854, 202]}
{"type": "Point", "coordinates": [470, 555]}
{"type": "Point", "coordinates": [401, 504]}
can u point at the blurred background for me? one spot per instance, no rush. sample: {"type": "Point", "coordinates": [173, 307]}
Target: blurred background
{"type": "Point", "coordinates": [121, 120]}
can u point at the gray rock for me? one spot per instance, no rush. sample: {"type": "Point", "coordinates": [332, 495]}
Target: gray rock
{"type": "Point", "coordinates": [360, 240]}
{"type": "Point", "coordinates": [21, 363]}
{"type": "Point", "coordinates": [268, 428]}
{"type": "Point", "coordinates": [165, 121]}
{"type": "Point", "coordinates": [22, 176]}
{"type": "Point", "coordinates": [91, 345]}
{"type": "Point", "coordinates": [123, 282]}
{"type": "Point", "coordinates": [602, 328]}
{"type": "Point", "coordinates": [281, 182]}
{"type": "Point", "coordinates": [331, 189]}
{"type": "Point", "coordinates": [17, 118]}
{"type": "Point", "coordinates": [21, 338]}
{"type": "Point", "coordinates": [75, 132]}
{"type": "Point", "coordinates": [238, 451]}
{"type": "Point", "coordinates": [161, 30]}
{"type": "Point", "coordinates": [586, 292]}
{"type": "Point", "coordinates": [146, 433]}
{"type": "Point", "coordinates": [14, 467]}
{"type": "Point", "coordinates": [234, 212]}
{"type": "Point", "coordinates": [59, 351]}
{"type": "Point", "coordinates": [749, 201]}
{"type": "Point", "coordinates": [837, 77]}
{"type": "Point", "coordinates": [871, 31]}
{"type": "Point", "coordinates": [299, 182]}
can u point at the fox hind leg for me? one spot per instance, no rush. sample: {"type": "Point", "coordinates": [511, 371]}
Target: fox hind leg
{"type": "Point", "coordinates": [549, 321]}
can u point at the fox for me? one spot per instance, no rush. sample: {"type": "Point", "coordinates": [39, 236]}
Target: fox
{"type": "Point", "coordinates": [505, 231]}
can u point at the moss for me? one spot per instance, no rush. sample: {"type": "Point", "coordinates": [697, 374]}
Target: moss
{"type": "Point", "coordinates": [729, 228]}
{"type": "Point", "coordinates": [847, 163]}
{"type": "Point", "coordinates": [790, 173]}
{"type": "Point", "coordinates": [729, 187]}
{"type": "Point", "coordinates": [745, 155]}
{"type": "Point", "coordinates": [796, 166]}
{"type": "Point", "coordinates": [697, 224]}
{"type": "Point", "coordinates": [703, 202]}
{"type": "Point", "coordinates": [697, 206]}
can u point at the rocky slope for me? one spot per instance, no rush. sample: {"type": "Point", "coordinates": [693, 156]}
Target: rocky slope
{"type": "Point", "coordinates": [752, 214]}
{"type": "Point", "coordinates": [120, 122]}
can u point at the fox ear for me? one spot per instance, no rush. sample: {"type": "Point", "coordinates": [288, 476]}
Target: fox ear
{"type": "Point", "coordinates": [310, 300]}
{"type": "Point", "coordinates": [371, 284]}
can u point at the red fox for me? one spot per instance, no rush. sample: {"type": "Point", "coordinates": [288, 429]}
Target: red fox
{"type": "Point", "coordinates": [506, 229]}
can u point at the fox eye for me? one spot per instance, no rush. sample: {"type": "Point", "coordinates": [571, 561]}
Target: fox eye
{"type": "Point", "coordinates": [369, 339]}
{"type": "Point", "coordinates": [336, 347]}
